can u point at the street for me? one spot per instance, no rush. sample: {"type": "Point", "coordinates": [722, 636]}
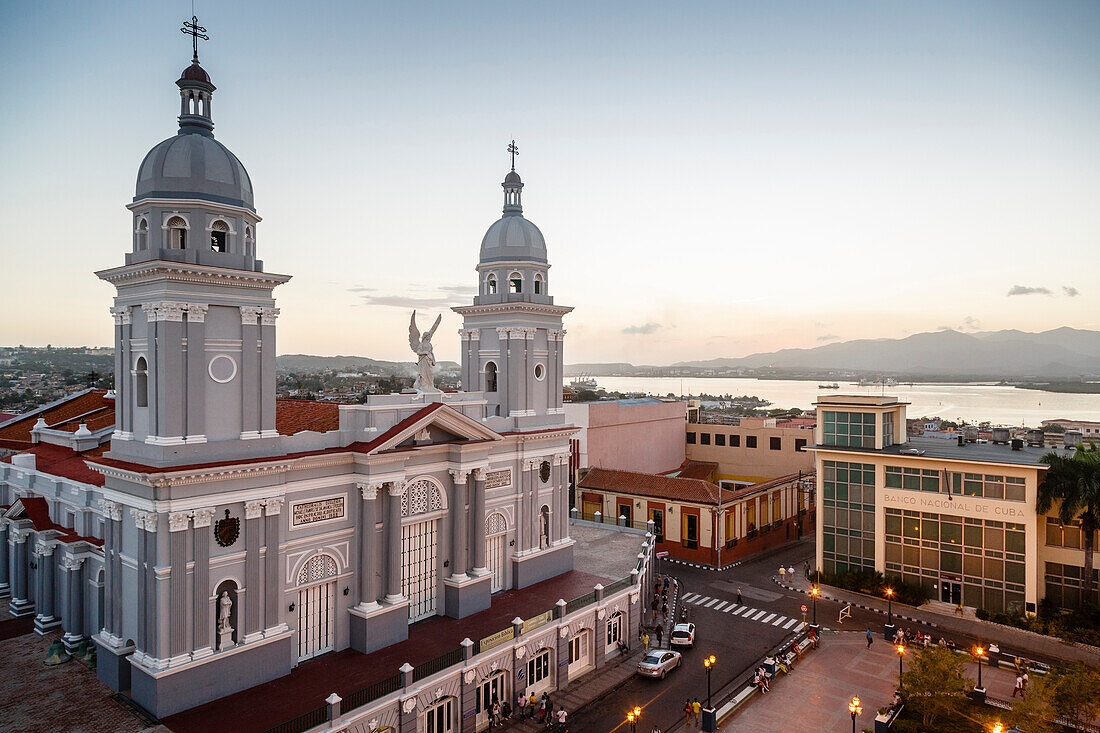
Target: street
{"type": "Point", "coordinates": [737, 638]}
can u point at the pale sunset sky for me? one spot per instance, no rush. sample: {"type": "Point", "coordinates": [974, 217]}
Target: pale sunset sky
{"type": "Point", "coordinates": [713, 178]}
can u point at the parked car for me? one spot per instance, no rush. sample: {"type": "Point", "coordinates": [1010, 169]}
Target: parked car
{"type": "Point", "coordinates": [682, 635]}
{"type": "Point", "coordinates": [659, 662]}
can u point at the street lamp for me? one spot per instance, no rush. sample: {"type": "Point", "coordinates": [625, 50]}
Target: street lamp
{"type": "Point", "coordinates": [901, 656]}
{"type": "Point", "coordinates": [633, 717]}
{"type": "Point", "coordinates": [997, 727]}
{"type": "Point", "coordinates": [890, 606]}
{"type": "Point", "coordinates": [855, 709]}
{"type": "Point", "coordinates": [978, 651]}
{"type": "Point", "coordinates": [815, 593]}
{"type": "Point", "coordinates": [709, 663]}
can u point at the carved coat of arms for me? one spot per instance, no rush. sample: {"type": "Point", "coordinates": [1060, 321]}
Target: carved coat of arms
{"type": "Point", "coordinates": [226, 531]}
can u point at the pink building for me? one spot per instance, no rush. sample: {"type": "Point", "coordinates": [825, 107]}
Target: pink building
{"type": "Point", "coordinates": [642, 435]}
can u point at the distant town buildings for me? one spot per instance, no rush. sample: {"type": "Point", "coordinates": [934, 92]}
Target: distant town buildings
{"type": "Point", "coordinates": [748, 450]}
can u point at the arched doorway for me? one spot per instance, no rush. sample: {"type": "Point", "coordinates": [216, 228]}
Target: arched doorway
{"type": "Point", "coordinates": [316, 607]}
{"type": "Point", "coordinates": [496, 530]}
{"type": "Point", "coordinates": [492, 689]}
{"type": "Point", "coordinates": [422, 505]}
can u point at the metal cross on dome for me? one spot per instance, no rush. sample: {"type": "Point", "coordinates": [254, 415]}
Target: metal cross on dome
{"type": "Point", "coordinates": [196, 32]}
{"type": "Point", "coordinates": [514, 151]}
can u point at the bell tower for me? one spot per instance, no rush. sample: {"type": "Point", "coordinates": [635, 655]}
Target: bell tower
{"type": "Point", "coordinates": [194, 310]}
{"type": "Point", "coordinates": [512, 336]}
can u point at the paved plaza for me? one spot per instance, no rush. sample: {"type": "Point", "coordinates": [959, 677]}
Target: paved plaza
{"type": "Point", "coordinates": [815, 696]}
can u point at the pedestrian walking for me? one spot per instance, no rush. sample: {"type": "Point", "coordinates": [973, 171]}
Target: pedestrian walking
{"type": "Point", "coordinates": [959, 610]}
{"type": "Point", "coordinates": [738, 595]}
{"type": "Point", "coordinates": [562, 717]}
{"type": "Point", "coordinates": [542, 708]}
{"type": "Point", "coordinates": [695, 709]}
{"type": "Point", "coordinates": [660, 633]}
{"type": "Point", "coordinates": [1025, 679]}
{"type": "Point", "coordinates": [532, 702]}
{"type": "Point", "coordinates": [790, 572]}
{"type": "Point", "coordinates": [495, 719]}
{"type": "Point", "coordinates": [806, 568]}
{"type": "Point", "coordinates": [1019, 688]}
{"type": "Point", "coordinates": [656, 729]}
{"type": "Point", "coordinates": [521, 706]}
{"type": "Point", "coordinates": [645, 640]}
{"type": "Point", "coordinates": [664, 611]}
{"type": "Point", "coordinates": [870, 639]}
{"type": "Point", "coordinates": [782, 573]}
{"type": "Point", "coordinates": [687, 712]}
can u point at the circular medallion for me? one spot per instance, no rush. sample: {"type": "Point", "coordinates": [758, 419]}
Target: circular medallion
{"type": "Point", "coordinates": [222, 368]}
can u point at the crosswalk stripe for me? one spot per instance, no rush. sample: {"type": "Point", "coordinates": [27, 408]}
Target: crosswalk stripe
{"type": "Point", "coordinates": [768, 619]}
{"type": "Point", "coordinates": [747, 613]}
{"type": "Point", "coordinates": [735, 609]}
{"type": "Point", "coordinates": [721, 605]}
{"type": "Point", "coordinates": [711, 603]}
{"type": "Point", "coordinates": [779, 620]}
{"type": "Point", "coordinates": [757, 616]}
{"type": "Point", "coordinates": [791, 623]}
{"type": "Point", "coordinates": [702, 599]}
{"type": "Point", "coordinates": [691, 597]}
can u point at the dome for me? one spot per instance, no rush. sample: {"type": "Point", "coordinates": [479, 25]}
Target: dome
{"type": "Point", "coordinates": [513, 238]}
{"type": "Point", "coordinates": [194, 165]}
{"type": "Point", "coordinates": [194, 72]}
{"type": "Point", "coordinates": [512, 177]}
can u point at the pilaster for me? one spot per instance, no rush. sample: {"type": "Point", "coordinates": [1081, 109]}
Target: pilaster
{"type": "Point", "coordinates": [368, 552]}
{"type": "Point", "coordinates": [196, 372]}
{"type": "Point", "coordinates": [393, 543]}
{"type": "Point", "coordinates": [273, 508]}
{"type": "Point", "coordinates": [252, 596]}
{"type": "Point", "coordinates": [249, 377]}
{"type": "Point", "coordinates": [202, 609]}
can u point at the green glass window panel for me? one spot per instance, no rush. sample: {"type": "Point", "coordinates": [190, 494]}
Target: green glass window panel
{"type": "Point", "coordinates": [893, 552]}
{"type": "Point", "coordinates": [868, 476]}
{"type": "Point", "coordinates": [911, 556]}
{"type": "Point", "coordinates": [1015, 491]}
{"type": "Point", "coordinates": [972, 536]}
{"type": "Point", "coordinates": [911, 482]}
{"type": "Point", "coordinates": [1014, 541]}
{"type": "Point", "coordinates": [893, 478]}
{"type": "Point", "coordinates": [830, 517]}
{"type": "Point", "coordinates": [1014, 572]}
{"type": "Point", "coordinates": [869, 521]}
{"type": "Point", "coordinates": [912, 528]}
{"type": "Point", "coordinates": [950, 533]}
{"type": "Point", "coordinates": [994, 569]}
{"type": "Point", "coordinates": [972, 565]}
{"type": "Point", "coordinates": [930, 483]}
{"type": "Point", "coordinates": [994, 490]}
{"type": "Point", "coordinates": [830, 490]}
{"type": "Point", "coordinates": [830, 418]}
{"type": "Point", "coordinates": [830, 471]}
{"type": "Point", "coordinates": [972, 488]}
{"type": "Point", "coordinates": [893, 525]}
{"type": "Point", "coordinates": [828, 542]}
{"type": "Point", "coordinates": [994, 539]}
{"type": "Point", "coordinates": [950, 562]}
{"type": "Point", "coordinates": [930, 529]}
{"type": "Point", "coordinates": [842, 492]}
{"type": "Point", "coordinates": [842, 475]}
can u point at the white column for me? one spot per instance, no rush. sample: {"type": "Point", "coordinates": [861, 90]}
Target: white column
{"type": "Point", "coordinates": [459, 525]}
{"type": "Point", "coordinates": [393, 550]}
{"type": "Point", "coordinates": [368, 557]}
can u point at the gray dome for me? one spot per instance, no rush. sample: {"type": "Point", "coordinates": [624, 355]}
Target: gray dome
{"type": "Point", "coordinates": [194, 165]}
{"type": "Point", "coordinates": [513, 238]}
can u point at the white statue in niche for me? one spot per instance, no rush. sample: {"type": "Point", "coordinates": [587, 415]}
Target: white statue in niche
{"type": "Point", "coordinates": [422, 347]}
{"type": "Point", "coordinates": [225, 630]}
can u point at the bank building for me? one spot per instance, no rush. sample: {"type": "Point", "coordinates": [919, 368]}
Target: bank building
{"type": "Point", "coordinates": [208, 537]}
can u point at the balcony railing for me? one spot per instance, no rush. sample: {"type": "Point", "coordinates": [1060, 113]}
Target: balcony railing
{"type": "Point", "coordinates": [440, 663]}
{"type": "Point", "coordinates": [370, 693]}
{"type": "Point", "coordinates": [303, 722]}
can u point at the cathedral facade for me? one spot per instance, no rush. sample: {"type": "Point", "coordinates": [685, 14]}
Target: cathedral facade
{"type": "Point", "coordinates": [227, 547]}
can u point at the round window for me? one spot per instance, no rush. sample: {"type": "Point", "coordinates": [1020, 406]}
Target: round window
{"type": "Point", "coordinates": [544, 471]}
{"type": "Point", "coordinates": [540, 372]}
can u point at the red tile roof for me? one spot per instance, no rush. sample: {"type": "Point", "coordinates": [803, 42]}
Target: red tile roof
{"type": "Point", "coordinates": [37, 510]}
{"type": "Point", "coordinates": [648, 484]}
{"type": "Point", "coordinates": [694, 469]}
{"type": "Point", "coordinates": [294, 416]}
{"type": "Point", "coordinates": [17, 433]}
{"type": "Point", "coordinates": [59, 460]}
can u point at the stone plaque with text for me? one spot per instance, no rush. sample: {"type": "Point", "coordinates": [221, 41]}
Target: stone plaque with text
{"type": "Point", "coordinates": [497, 479]}
{"type": "Point", "coordinates": [322, 510]}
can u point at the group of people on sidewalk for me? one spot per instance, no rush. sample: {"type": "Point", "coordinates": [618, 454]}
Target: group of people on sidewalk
{"type": "Point", "coordinates": [692, 711]}
{"type": "Point", "coordinates": [661, 590]}
{"type": "Point", "coordinates": [527, 708]}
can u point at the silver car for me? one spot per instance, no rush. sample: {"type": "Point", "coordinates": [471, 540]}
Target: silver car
{"type": "Point", "coordinates": [659, 662]}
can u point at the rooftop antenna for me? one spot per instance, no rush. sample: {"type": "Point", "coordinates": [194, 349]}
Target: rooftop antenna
{"type": "Point", "coordinates": [196, 32]}
{"type": "Point", "coordinates": [514, 151]}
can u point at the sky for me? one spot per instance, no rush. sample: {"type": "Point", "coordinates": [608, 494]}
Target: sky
{"type": "Point", "coordinates": [713, 179]}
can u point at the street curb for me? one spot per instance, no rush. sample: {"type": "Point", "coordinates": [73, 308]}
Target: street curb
{"type": "Point", "coordinates": [781, 584]}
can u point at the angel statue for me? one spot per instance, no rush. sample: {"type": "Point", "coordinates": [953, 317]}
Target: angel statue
{"type": "Point", "coordinates": [422, 347]}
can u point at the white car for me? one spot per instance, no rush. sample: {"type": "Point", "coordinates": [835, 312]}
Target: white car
{"type": "Point", "coordinates": [682, 635]}
{"type": "Point", "coordinates": [659, 662]}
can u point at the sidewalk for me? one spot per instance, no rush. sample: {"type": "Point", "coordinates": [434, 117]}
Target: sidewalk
{"type": "Point", "coordinates": [817, 691]}
{"type": "Point", "coordinates": [1011, 639]}
{"type": "Point", "coordinates": [598, 683]}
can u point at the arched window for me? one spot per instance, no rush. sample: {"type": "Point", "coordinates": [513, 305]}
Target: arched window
{"type": "Point", "coordinates": [177, 233]}
{"type": "Point", "coordinates": [421, 497]}
{"type": "Point", "coordinates": [249, 242]}
{"type": "Point", "coordinates": [491, 377]}
{"type": "Point", "coordinates": [319, 567]}
{"type": "Point", "coordinates": [544, 526]}
{"type": "Point", "coordinates": [491, 285]}
{"type": "Point", "coordinates": [141, 382]}
{"type": "Point", "coordinates": [538, 284]}
{"type": "Point", "coordinates": [515, 283]}
{"type": "Point", "coordinates": [142, 234]}
{"type": "Point", "coordinates": [219, 236]}
{"type": "Point", "coordinates": [495, 524]}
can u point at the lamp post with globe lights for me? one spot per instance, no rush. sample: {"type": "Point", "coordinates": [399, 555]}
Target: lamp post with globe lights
{"type": "Point", "coordinates": [633, 717]}
{"type": "Point", "coordinates": [710, 720]}
{"type": "Point", "coordinates": [901, 657]}
{"type": "Point", "coordinates": [890, 606]}
{"type": "Point", "coordinates": [814, 592]}
{"type": "Point", "coordinates": [855, 708]}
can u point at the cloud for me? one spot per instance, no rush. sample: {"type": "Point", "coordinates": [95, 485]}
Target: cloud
{"type": "Point", "coordinates": [828, 337]}
{"type": "Point", "coordinates": [1070, 292]}
{"type": "Point", "coordinates": [643, 329]}
{"type": "Point", "coordinates": [1028, 290]}
{"type": "Point", "coordinates": [443, 297]}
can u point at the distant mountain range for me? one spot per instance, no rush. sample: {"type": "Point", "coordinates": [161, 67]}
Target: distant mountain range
{"type": "Point", "coordinates": [1062, 352]}
{"type": "Point", "coordinates": [1056, 354]}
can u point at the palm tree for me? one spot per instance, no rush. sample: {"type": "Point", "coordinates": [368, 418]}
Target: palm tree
{"type": "Point", "coordinates": [1074, 482]}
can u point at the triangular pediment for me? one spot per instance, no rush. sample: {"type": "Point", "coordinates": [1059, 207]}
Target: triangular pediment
{"type": "Point", "coordinates": [436, 424]}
